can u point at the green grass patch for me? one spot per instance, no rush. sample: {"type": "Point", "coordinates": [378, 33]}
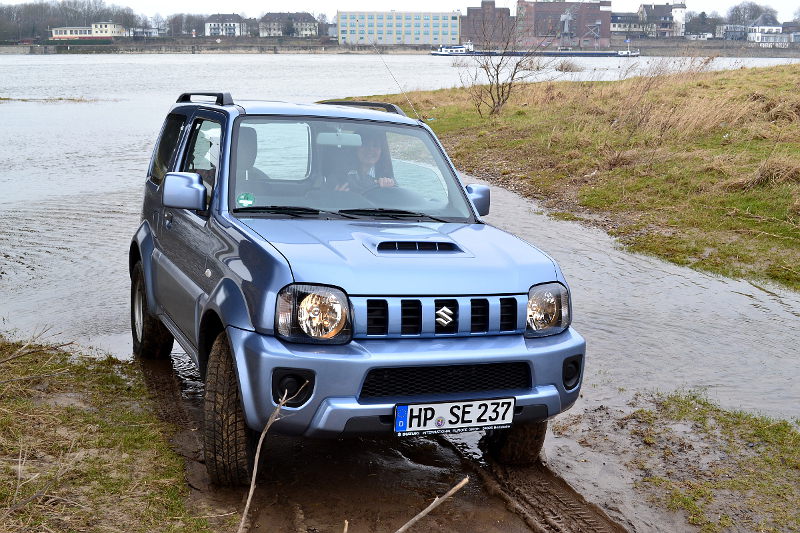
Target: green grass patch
{"type": "Point", "coordinates": [80, 447]}
{"type": "Point", "coordinates": [722, 468]}
{"type": "Point", "coordinates": [706, 162]}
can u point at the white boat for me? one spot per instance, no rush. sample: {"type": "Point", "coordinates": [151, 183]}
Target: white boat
{"type": "Point", "coordinates": [454, 50]}
{"type": "Point", "coordinates": [628, 52]}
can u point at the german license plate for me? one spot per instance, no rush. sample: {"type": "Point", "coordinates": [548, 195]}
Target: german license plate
{"type": "Point", "coordinates": [453, 417]}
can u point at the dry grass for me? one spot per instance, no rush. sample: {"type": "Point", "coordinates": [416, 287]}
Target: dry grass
{"type": "Point", "coordinates": [80, 450]}
{"type": "Point", "coordinates": [707, 162]}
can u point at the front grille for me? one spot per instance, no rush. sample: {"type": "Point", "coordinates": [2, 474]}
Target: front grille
{"type": "Point", "coordinates": [451, 379]}
{"type": "Point", "coordinates": [446, 316]}
{"type": "Point", "coordinates": [480, 315]}
{"type": "Point", "coordinates": [377, 317]}
{"type": "Point", "coordinates": [508, 314]}
{"type": "Point", "coordinates": [411, 317]}
{"type": "Point", "coordinates": [431, 316]}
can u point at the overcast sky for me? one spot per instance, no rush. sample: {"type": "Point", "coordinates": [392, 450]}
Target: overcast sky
{"type": "Point", "coordinates": [253, 8]}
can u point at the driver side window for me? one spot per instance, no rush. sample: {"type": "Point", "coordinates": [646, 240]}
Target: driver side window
{"type": "Point", "coordinates": [202, 155]}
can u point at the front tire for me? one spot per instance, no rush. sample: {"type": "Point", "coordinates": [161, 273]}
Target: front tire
{"type": "Point", "coordinates": [229, 443]}
{"type": "Point", "coordinates": [151, 339]}
{"type": "Point", "coordinates": [518, 445]}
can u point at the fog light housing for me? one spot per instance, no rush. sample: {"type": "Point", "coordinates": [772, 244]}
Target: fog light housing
{"type": "Point", "coordinates": [571, 371]}
{"type": "Point", "coordinates": [291, 381]}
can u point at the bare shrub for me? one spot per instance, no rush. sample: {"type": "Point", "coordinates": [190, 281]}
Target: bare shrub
{"type": "Point", "coordinates": [491, 79]}
{"type": "Point", "coordinates": [567, 65]}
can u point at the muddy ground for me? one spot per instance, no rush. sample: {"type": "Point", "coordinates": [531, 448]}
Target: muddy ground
{"type": "Point", "coordinates": [378, 484]}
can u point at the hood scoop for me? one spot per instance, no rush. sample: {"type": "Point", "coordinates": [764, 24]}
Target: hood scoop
{"type": "Point", "coordinates": [417, 247]}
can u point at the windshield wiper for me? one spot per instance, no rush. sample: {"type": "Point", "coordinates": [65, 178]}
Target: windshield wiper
{"type": "Point", "coordinates": [292, 210]}
{"type": "Point", "coordinates": [390, 213]}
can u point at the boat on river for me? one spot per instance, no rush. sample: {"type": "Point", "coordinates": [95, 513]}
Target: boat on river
{"type": "Point", "coordinates": [468, 49]}
{"type": "Point", "coordinates": [455, 50]}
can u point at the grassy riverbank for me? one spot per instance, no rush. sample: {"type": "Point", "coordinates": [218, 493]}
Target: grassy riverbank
{"type": "Point", "coordinates": [699, 168]}
{"type": "Point", "coordinates": [723, 470]}
{"type": "Point", "coordinates": [80, 447]}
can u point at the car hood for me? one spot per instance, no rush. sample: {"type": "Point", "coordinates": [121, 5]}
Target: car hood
{"type": "Point", "coordinates": [362, 257]}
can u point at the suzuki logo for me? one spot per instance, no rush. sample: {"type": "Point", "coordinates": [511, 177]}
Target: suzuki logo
{"type": "Point", "coordinates": [445, 315]}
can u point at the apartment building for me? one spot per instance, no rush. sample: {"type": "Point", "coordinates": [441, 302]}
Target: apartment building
{"type": "Point", "coordinates": [288, 24]}
{"type": "Point", "coordinates": [399, 27]}
{"type": "Point", "coordinates": [105, 30]}
{"type": "Point", "coordinates": [227, 25]}
{"type": "Point", "coordinates": [663, 20]}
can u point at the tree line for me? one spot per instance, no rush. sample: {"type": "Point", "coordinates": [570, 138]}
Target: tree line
{"type": "Point", "coordinates": [33, 20]}
{"type": "Point", "coordinates": [741, 14]}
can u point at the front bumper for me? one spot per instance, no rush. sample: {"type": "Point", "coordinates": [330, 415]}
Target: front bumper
{"type": "Point", "coordinates": [334, 409]}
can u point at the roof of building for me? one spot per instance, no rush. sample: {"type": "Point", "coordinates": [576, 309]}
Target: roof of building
{"type": "Point", "coordinates": [302, 16]}
{"type": "Point", "coordinates": [657, 10]}
{"type": "Point", "coordinates": [226, 18]}
{"type": "Point", "coordinates": [766, 19]}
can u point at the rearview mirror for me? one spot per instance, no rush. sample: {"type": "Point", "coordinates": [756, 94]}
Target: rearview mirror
{"type": "Point", "coordinates": [184, 190]}
{"type": "Point", "coordinates": [480, 196]}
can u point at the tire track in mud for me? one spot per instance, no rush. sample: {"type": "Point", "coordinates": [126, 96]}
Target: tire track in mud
{"type": "Point", "coordinates": [313, 486]}
{"type": "Point", "coordinates": [543, 500]}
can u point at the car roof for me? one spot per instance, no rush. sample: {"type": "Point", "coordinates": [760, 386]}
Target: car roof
{"type": "Point", "coordinates": [259, 107]}
{"type": "Point", "coordinates": [265, 107]}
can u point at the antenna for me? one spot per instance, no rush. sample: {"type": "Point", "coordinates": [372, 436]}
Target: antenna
{"type": "Point", "coordinates": [377, 50]}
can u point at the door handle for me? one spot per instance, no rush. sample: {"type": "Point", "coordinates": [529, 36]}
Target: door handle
{"type": "Point", "coordinates": [167, 220]}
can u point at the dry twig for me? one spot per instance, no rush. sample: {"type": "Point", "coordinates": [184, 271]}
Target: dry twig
{"type": "Point", "coordinates": [272, 419]}
{"type": "Point", "coordinates": [434, 504]}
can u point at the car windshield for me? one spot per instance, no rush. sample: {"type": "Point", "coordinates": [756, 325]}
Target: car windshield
{"type": "Point", "coordinates": [356, 169]}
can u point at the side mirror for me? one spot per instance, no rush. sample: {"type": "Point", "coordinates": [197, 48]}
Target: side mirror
{"type": "Point", "coordinates": [480, 196]}
{"type": "Point", "coordinates": [184, 190]}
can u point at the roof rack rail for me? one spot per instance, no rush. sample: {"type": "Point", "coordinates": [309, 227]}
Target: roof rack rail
{"type": "Point", "coordinates": [391, 108]}
{"type": "Point", "coordinates": [221, 98]}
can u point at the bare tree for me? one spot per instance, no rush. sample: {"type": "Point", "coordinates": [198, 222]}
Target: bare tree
{"type": "Point", "coordinates": [797, 15]}
{"type": "Point", "coordinates": [747, 12]}
{"type": "Point", "coordinates": [490, 77]}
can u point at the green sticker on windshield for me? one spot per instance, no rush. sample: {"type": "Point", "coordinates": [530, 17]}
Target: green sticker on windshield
{"type": "Point", "coordinates": [246, 199]}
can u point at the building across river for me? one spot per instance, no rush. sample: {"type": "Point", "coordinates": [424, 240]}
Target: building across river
{"type": "Point", "coordinates": [399, 27]}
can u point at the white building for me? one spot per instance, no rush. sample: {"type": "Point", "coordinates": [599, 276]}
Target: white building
{"type": "Point", "coordinates": [71, 32]}
{"type": "Point", "coordinates": [143, 32]}
{"type": "Point", "coordinates": [663, 20]}
{"type": "Point", "coordinates": [399, 27]}
{"type": "Point", "coordinates": [107, 29]}
{"type": "Point", "coordinates": [766, 29]}
{"type": "Point", "coordinates": [220, 25]}
{"type": "Point", "coordinates": [98, 30]}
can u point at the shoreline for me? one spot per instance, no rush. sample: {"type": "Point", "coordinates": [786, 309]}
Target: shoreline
{"type": "Point", "coordinates": [648, 48]}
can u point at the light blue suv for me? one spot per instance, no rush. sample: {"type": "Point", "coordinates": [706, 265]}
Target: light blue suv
{"type": "Point", "coordinates": [329, 254]}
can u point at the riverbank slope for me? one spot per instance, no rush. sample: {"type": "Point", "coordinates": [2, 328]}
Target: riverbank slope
{"type": "Point", "coordinates": [699, 168]}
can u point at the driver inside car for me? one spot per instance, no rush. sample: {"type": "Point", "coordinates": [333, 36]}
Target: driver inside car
{"type": "Point", "coordinates": [373, 168]}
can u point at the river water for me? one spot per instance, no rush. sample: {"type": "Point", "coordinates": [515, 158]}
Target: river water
{"type": "Point", "coordinates": [72, 168]}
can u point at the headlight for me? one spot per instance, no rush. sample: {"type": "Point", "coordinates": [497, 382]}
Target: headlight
{"type": "Point", "coordinates": [548, 310]}
{"type": "Point", "coordinates": [314, 314]}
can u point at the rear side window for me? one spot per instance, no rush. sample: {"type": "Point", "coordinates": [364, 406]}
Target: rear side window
{"type": "Point", "coordinates": [202, 155]}
{"type": "Point", "coordinates": [167, 145]}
